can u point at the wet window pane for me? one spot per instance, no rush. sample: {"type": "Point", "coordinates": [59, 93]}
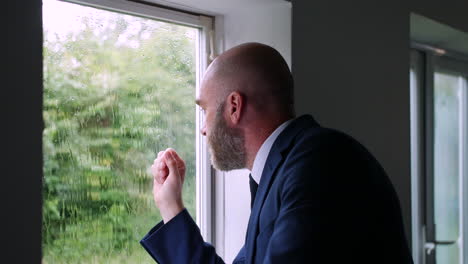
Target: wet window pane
{"type": "Point", "coordinates": [446, 165]}
{"type": "Point", "coordinates": [117, 89]}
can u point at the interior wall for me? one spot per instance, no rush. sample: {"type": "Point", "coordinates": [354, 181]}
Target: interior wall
{"type": "Point", "coordinates": [450, 12]}
{"type": "Point", "coordinates": [21, 134]}
{"type": "Point", "coordinates": [351, 67]}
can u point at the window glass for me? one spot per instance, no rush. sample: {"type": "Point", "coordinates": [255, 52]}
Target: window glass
{"type": "Point", "coordinates": [446, 165]}
{"type": "Point", "coordinates": [117, 89]}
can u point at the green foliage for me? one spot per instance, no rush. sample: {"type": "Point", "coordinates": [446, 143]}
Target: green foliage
{"type": "Point", "coordinates": [115, 93]}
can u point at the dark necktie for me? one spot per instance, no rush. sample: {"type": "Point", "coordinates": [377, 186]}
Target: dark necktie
{"type": "Point", "coordinates": [253, 190]}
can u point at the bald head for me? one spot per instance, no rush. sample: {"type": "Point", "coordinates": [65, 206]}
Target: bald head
{"type": "Point", "coordinates": [247, 92]}
{"type": "Point", "coordinates": [256, 71]}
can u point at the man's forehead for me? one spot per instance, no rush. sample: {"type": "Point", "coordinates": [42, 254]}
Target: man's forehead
{"type": "Point", "coordinates": [201, 97]}
{"type": "Point", "coordinates": [205, 89]}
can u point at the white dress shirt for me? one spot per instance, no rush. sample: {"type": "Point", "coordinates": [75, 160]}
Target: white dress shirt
{"type": "Point", "coordinates": [262, 154]}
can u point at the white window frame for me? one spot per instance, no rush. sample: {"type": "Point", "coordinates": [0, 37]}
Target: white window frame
{"type": "Point", "coordinates": [417, 156]}
{"type": "Point", "coordinates": [205, 53]}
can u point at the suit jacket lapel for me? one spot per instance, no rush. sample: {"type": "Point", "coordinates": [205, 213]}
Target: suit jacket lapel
{"type": "Point", "coordinates": [274, 160]}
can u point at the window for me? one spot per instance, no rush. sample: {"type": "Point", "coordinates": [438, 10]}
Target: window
{"type": "Point", "coordinates": [447, 95]}
{"type": "Point", "coordinates": [120, 81]}
{"type": "Point", "coordinates": [439, 81]}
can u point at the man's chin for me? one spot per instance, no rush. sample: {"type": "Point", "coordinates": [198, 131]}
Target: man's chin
{"type": "Point", "coordinates": [219, 167]}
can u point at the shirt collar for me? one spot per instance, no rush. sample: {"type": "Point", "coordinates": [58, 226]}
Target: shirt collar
{"type": "Point", "coordinates": [262, 154]}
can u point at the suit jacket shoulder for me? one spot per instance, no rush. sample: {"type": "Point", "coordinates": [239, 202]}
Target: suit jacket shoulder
{"type": "Point", "coordinates": [320, 184]}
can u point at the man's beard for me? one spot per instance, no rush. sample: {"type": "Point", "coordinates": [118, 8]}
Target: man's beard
{"type": "Point", "coordinates": [226, 144]}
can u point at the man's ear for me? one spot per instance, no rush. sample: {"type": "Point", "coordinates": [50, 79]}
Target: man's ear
{"type": "Point", "coordinates": [235, 107]}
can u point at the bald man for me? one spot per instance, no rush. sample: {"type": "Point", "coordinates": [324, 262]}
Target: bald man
{"type": "Point", "coordinates": [318, 196]}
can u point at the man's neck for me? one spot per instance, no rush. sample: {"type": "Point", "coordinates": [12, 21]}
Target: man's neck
{"type": "Point", "coordinates": [255, 137]}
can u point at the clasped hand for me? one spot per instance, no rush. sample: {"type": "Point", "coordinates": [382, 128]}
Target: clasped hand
{"type": "Point", "coordinates": [168, 172]}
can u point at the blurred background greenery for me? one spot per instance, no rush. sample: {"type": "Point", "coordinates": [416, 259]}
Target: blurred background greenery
{"type": "Point", "coordinates": [117, 89]}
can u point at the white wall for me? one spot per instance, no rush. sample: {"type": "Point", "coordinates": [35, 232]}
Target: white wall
{"type": "Point", "coordinates": [240, 21]}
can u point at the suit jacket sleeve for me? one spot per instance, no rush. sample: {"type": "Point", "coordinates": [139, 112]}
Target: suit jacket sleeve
{"type": "Point", "coordinates": [179, 241]}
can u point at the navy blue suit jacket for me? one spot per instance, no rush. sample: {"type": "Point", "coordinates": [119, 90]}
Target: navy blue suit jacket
{"type": "Point", "coordinates": [322, 198]}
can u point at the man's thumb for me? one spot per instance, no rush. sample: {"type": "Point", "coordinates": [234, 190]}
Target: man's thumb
{"type": "Point", "coordinates": [172, 165]}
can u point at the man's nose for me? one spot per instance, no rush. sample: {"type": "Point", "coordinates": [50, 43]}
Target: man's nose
{"type": "Point", "coordinates": [203, 129]}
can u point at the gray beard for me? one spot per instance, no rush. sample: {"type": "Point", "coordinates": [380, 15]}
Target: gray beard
{"type": "Point", "coordinates": [226, 144]}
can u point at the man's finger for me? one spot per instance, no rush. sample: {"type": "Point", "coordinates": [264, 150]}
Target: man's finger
{"type": "Point", "coordinates": [159, 156]}
{"type": "Point", "coordinates": [171, 163]}
{"type": "Point", "coordinates": [177, 157]}
{"type": "Point", "coordinates": [180, 163]}
{"type": "Point", "coordinates": [156, 174]}
{"type": "Point", "coordinates": [163, 171]}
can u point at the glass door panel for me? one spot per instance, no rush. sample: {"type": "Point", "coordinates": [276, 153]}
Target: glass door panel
{"type": "Point", "coordinates": [447, 91]}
